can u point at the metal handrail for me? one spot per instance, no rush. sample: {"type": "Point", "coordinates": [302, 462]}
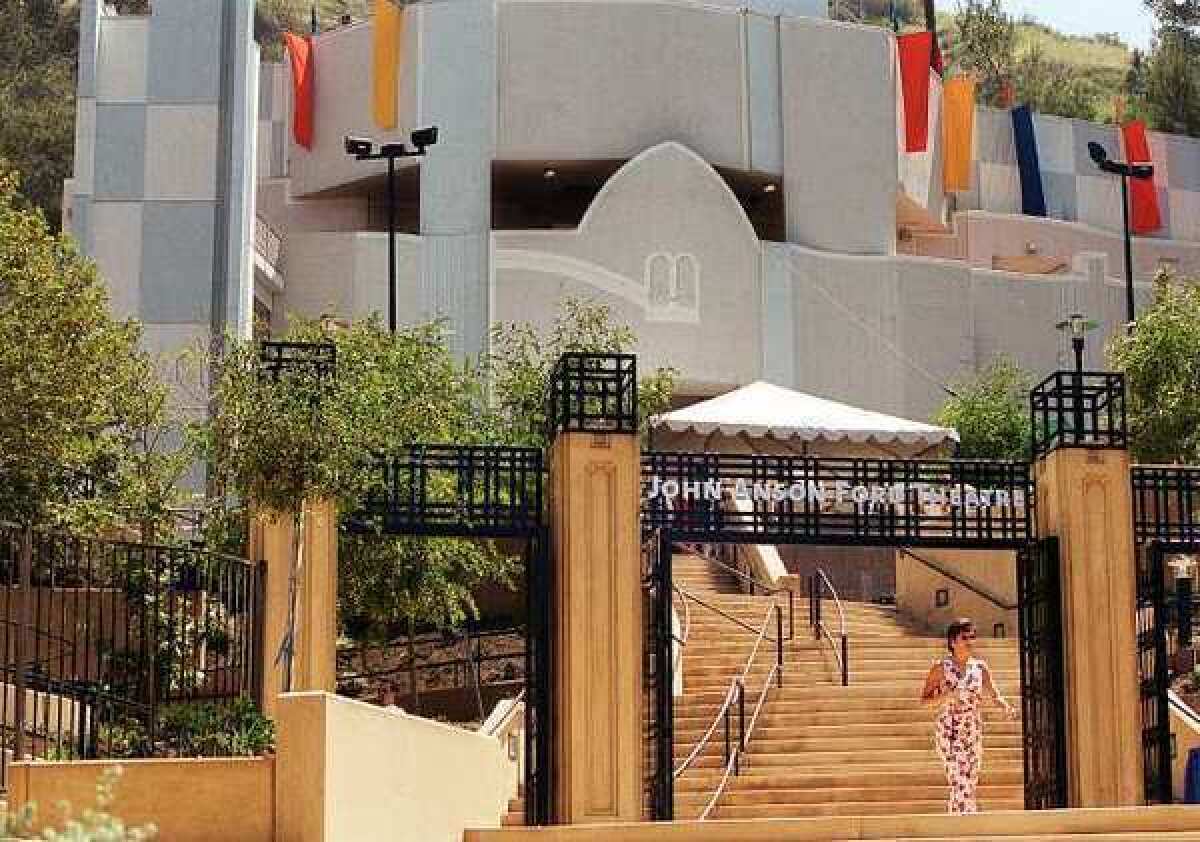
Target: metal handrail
{"type": "Point", "coordinates": [842, 655]}
{"type": "Point", "coordinates": [733, 764]}
{"type": "Point", "coordinates": [958, 580]}
{"type": "Point", "coordinates": [775, 675]}
{"type": "Point", "coordinates": [723, 613]}
{"type": "Point", "coordinates": [702, 550]}
{"type": "Point", "coordinates": [687, 615]}
{"type": "Point", "coordinates": [739, 681]}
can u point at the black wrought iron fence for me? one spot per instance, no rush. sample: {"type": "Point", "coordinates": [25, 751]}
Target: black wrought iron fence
{"type": "Point", "coordinates": [99, 637]}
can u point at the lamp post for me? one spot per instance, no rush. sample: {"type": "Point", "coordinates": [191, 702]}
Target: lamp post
{"type": "Point", "coordinates": [1077, 325]}
{"type": "Point", "coordinates": [365, 149]}
{"type": "Point", "coordinates": [1126, 170]}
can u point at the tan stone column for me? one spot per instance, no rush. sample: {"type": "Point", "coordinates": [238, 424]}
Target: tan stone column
{"type": "Point", "coordinates": [314, 664]}
{"type": "Point", "coordinates": [598, 628]}
{"type": "Point", "coordinates": [1084, 498]}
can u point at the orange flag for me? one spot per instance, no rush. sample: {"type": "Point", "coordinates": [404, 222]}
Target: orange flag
{"type": "Point", "coordinates": [300, 51]}
{"type": "Point", "coordinates": [958, 130]}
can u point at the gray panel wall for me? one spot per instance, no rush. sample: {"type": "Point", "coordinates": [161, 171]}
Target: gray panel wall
{"type": "Point", "coordinates": [839, 131]}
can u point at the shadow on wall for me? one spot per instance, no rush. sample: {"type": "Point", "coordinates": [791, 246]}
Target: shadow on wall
{"type": "Point", "coordinates": [859, 574]}
{"type": "Point", "coordinates": [935, 587]}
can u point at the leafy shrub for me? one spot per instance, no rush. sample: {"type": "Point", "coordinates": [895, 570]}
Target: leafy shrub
{"type": "Point", "coordinates": [92, 825]}
{"type": "Point", "coordinates": [195, 729]}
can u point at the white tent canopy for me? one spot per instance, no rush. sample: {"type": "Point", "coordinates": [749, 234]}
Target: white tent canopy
{"type": "Point", "coordinates": [763, 410]}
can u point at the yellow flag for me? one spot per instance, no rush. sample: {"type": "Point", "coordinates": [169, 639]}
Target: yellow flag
{"type": "Point", "coordinates": [389, 31]}
{"type": "Point", "coordinates": [958, 127]}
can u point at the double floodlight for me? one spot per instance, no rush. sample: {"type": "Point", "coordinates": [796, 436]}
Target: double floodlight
{"type": "Point", "coordinates": [1099, 156]}
{"type": "Point", "coordinates": [365, 149]}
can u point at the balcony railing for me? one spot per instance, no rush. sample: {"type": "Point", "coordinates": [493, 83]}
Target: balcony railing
{"type": "Point", "coordinates": [268, 244]}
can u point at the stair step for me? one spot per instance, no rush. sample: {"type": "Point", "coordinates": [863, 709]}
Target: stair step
{"type": "Point", "coordinates": [852, 808]}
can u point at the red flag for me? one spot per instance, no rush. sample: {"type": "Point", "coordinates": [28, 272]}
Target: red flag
{"type": "Point", "coordinates": [300, 50]}
{"type": "Point", "coordinates": [916, 55]}
{"type": "Point", "coordinates": [1144, 215]}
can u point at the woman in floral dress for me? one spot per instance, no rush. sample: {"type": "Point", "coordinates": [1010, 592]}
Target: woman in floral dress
{"type": "Point", "coordinates": [956, 686]}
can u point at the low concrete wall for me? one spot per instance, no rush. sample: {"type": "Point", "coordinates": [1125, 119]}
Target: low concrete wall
{"type": "Point", "coordinates": [992, 571]}
{"type": "Point", "coordinates": [349, 770]}
{"type": "Point", "coordinates": [190, 800]}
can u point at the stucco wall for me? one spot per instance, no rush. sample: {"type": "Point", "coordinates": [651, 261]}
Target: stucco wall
{"type": "Point", "coordinates": [607, 80]}
{"type": "Point", "coordinates": [1185, 731]}
{"type": "Point", "coordinates": [990, 234]}
{"type": "Point", "coordinates": [993, 572]}
{"type": "Point", "coordinates": [190, 800]}
{"type": "Point", "coordinates": [345, 273]}
{"type": "Point", "coordinates": [839, 135]}
{"type": "Point", "coordinates": [349, 770]}
{"type": "Point", "coordinates": [889, 333]}
{"type": "Point", "coordinates": [669, 248]}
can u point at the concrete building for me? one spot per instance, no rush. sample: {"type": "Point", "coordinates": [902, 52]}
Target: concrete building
{"type": "Point", "coordinates": [726, 176]}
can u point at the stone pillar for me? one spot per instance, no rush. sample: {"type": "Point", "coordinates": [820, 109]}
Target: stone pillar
{"type": "Point", "coordinates": [314, 664]}
{"type": "Point", "coordinates": [1084, 498]}
{"type": "Point", "coordinates": [598, 629]}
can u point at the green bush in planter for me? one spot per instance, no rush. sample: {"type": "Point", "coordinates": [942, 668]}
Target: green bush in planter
{"type": "Point", "coordinates": [92, 825]}
{"type": "Point", "coordinates": [195, 729]}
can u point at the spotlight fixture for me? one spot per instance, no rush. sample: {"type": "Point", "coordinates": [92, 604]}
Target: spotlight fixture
{"type": "Point", "coordinates": [549, 174]}
{"type": "Point", "coordinates": [358, 146]}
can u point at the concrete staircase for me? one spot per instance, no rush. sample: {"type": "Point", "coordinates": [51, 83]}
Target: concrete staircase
{"type": "Point", "coordinates": [820, 749]}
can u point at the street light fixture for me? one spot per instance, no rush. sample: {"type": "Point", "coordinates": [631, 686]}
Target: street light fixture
{"type": "Point", "coordinates": [1125, 170]}
{"type": "Point", "coordinates": [365, 149]}
{"type": "Point", "coordinates": [1078, 325]}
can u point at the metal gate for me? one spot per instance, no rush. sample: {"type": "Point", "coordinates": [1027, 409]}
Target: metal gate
{"type": "Point", "coordinates": [659, 678]}
{"type": "Point", "coordinates": [538, 716]}
{"type": "Point", "coordinates": [1153, 618]}
{"type": "Point", "coordinates": [478, 491]}
{"type": "Point", "coordinates": [1042, 676]}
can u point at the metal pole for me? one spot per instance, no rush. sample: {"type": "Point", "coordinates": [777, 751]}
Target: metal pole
{"type": "Point", "coordinates": [1129, 307]}
{"type": "Point", "coordinates": [779, 645]}
{"type": "Point", "coordinates": [845, 661]}
{"type": "Point", "coordinates": [391, 201]}
{"type": "Point", "coordinates": [24, 576]}
{"type": "Point", "coordinates": [1077, 343]}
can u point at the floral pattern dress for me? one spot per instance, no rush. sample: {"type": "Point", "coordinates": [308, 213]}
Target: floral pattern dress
{"type": "Point", "coordinates": [958, 734]}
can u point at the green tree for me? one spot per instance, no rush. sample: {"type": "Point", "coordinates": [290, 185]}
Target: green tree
{"type": "Point", "coordinates": [986, 45]}
{"type": "Point", "coordinates": [1162, 367]}
{"type": "Point", "coordinates": [38, 46]}
{"type": "Point", "coordinates": [273, 443]}
{"type": "Point", "coordinates": [1177, 15]}
{"type": "Point", "coordinates": [522, 359]}
{"type": "Point", "coordinates": [86, 424]}
{"type": "Point", "coordinates": [1053, 87]}
{"type": "Point", "coordinates": [990, 411]}
{"type": "Point", "coordinates": [1173, 83]}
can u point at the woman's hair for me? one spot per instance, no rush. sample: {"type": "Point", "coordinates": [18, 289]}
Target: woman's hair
{"type": "Point", "coordinates": [956, 628]}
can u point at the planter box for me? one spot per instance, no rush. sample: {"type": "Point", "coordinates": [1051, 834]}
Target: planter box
{"type": "Point", "coordinates": [190, 800]}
